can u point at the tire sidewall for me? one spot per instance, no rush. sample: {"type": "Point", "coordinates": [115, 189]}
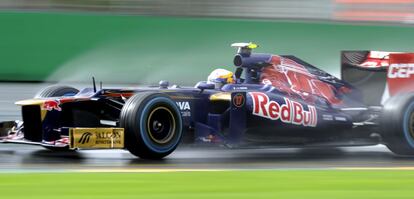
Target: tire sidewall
{"type": "Point", "coordinates": [142, 116]}
{"type": "Point", "coordinates": [395, 124]}
{"type": "Point", "coordinates": [134, 116]}
{"type": "Point", "coordinates": [56, 91]}
{"type": "Point", "coordinates": [406, 122]}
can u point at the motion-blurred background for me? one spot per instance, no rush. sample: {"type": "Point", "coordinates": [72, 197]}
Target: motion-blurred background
{"type": "Point", "coordinates": [143, 41]}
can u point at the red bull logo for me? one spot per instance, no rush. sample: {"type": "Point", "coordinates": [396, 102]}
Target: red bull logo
{"type": "Point", "coordinates": [51, 105]}
{"type": "Point", "coordinates": [291, 112]}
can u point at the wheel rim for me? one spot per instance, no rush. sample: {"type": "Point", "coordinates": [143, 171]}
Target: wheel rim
{"type": "Point", "coordinates": [161, 125]}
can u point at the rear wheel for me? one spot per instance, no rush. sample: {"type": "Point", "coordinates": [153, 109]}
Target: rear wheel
{"type": "Point", "coordinates": [56, 91]}
{"type": "Point", "coordinates": [153, 125]}
{"type": "Point", "coordinates": [398, 124]}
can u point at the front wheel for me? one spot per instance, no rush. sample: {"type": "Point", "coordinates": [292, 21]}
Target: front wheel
{"type": "Point", "coordinates": [397, 124]}
{"type": "Point", "coordinates": [153, 125]}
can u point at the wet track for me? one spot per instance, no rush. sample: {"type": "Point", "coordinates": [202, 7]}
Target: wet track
{"type": "Point", "coordinates": [24, 157]}
{"type": "Point", "coordinates": [18, 157]}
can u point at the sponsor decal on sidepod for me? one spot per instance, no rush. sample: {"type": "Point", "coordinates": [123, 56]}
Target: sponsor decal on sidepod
{"type": "Point", "coordinates": [290, 112]}
{"type": "Point", "coordinates": [238, 100]}
{"type": "Point", "coordinates": [184, 106]}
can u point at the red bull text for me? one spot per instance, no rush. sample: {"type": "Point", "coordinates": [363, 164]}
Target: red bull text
{"type": "Point", "coordinates": [290, 112]}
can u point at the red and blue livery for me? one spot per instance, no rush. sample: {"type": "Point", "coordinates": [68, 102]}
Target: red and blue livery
{"type": "Point", "coordinates": [273, 101]}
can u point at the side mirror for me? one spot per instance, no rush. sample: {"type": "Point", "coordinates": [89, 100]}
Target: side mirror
{"type": "Point", "coordinates": [163, 84]}
{"type": "Point", "coordinates": [204, 85]}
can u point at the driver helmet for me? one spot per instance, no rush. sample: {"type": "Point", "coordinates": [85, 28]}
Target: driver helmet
{"type": "Point", "coordinates": [220, 77]}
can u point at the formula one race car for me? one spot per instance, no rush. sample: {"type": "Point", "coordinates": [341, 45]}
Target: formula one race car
{"type": "Point", "coordinates": [274, 100]}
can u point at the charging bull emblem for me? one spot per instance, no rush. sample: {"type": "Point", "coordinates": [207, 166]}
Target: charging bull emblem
{"type": "Point", "coordinates": [238, 100]}
{"type": "Point", "coordinates": [291, 112]}
{"type": "Point", "coordinates": [51, 105]}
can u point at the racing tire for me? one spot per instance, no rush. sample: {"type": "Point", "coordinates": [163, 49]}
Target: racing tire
{"type": "Point", "coordinates": [397, 124]}
{"type": "Point", "coordinates": [153, 125]}
{"type": "Point", "coordinates": [56, 91]}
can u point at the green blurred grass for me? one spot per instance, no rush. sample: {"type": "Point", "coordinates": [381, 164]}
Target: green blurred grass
{"type": "Point", "coordinates": [333, 184]}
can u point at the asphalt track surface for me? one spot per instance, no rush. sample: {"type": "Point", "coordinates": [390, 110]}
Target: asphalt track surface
{"type": "Point", "coordinates": [22, 158]}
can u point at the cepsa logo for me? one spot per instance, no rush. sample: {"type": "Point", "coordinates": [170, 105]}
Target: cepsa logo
{"type": "Point", "coordinates": [291, 112]}
{"type": "Point", "coordinates": [400, 70]}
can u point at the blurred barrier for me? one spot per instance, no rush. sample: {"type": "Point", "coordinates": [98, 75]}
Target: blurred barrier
{"type": "Point", "coordinates": [138, 49]}
{"type": "Point", "coordinates": [401, 11]}
{"type": "Point", "coordinates": [311, 9]}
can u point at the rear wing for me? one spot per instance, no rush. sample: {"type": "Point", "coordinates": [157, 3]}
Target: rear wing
{"type": "Point", "coordinates": [377, 74]}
